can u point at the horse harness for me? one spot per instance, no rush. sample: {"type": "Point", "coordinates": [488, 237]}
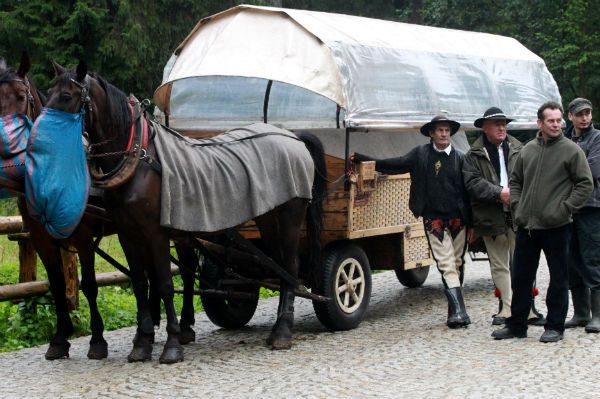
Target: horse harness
{"type": "Point", "coordinates": [30, 112]}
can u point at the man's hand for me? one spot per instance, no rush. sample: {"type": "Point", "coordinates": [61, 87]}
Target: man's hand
{"type": "Point", "coordinates": [505, 196]}
{"type": "Point", "coordinates": [471, 236]}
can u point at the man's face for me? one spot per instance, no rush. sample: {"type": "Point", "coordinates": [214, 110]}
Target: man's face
{"type": "Point", "coordinates": [581, 120]}
{"type": "Point", "coordinates": [495, 131]}
{"type": "Point", "coordinates": [441, 135]}
{"type": "Point", "coordinates": [550, 126]}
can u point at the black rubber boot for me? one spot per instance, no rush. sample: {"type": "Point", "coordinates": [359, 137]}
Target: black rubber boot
{"type": "Point", "coordinates": [594, 325]}
{"type": "Point", "coordinates": [458, 316]}
{"type": "Point", "coordinates": [581, 306]}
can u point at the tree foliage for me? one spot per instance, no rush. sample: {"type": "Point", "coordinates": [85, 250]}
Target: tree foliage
{"type": "Point", "coordinates": [129, 42]}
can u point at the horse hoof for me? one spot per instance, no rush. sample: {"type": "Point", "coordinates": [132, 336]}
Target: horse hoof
{"type": "Point", "coordinates": [171, 354]}
{"type": "Point", "coordinates": [279, 343]}
{"type": "Point", "coordinates": [58, 351]}
{"type": "Point", "coordinates": [98, 351]}
{"type": "Point", "coordinates": [149, 338]}
{"type": "Point", "coordinates": [140, 354]}
{"type": "Point", "coordinates": [186, 336]}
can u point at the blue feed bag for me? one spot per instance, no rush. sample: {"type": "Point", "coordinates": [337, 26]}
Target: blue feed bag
{"type": "Point", "coordinates": [14, 134]}
{"type": "Point", "coordinates": [57, 184]}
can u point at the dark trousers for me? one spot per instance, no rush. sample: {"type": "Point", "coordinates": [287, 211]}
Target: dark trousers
{"type": "Point", "coordinates": [584, 256]}
{"type": "Point", "coordinates": [529, 244]}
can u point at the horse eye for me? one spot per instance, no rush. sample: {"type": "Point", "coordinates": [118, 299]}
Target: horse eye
{"type": "Point", "coordinates": [65, 96]}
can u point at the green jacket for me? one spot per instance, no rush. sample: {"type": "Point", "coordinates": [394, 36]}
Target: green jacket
{"type": "Point", "coordinates": [483, 184]}
{"type": "Point", "coordinates": [548, 182]}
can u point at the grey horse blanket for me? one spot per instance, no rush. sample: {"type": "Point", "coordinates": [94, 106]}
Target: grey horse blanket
{"type": "Point", "coordinates": [207, 187]}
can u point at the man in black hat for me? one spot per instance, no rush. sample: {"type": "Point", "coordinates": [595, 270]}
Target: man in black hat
{"type": "Point", "coordinates": [437, 194]}
{"type": "Point", "coordinates": [584, 262]}
{"type": "Point", "coordinates": [486, 171]}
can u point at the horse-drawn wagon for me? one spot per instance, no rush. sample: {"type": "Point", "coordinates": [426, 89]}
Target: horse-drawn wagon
{"type": "Point", "coordinates": [358, 84]}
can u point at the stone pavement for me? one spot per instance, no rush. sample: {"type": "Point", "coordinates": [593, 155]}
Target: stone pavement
{"type": "Point", "coordinates": [401, 349]}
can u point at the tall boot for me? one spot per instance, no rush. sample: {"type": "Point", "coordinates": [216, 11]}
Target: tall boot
{"type": "Point", "coordinates": [594, 325]}
{"type": "Point", "coordinates": [581, 307]}
{"type": "Point", "coordinates": [457, 315]}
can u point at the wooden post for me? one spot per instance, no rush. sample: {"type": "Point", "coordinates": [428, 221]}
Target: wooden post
{"type": "Point", "coordinates": [27, 257]}
{"type": "Point", "coordinates": [69, 259]}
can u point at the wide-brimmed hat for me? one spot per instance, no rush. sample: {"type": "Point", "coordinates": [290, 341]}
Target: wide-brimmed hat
{"type": "Point", "coordinates": [492, 114]}
{"type": "Point", "coordinates": [454, 125]}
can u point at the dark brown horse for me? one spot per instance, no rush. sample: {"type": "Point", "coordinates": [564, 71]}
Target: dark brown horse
{"type": "Point", "coordinates": [19, 96]}
{"type": "Point", "coordinates": [135, 207]}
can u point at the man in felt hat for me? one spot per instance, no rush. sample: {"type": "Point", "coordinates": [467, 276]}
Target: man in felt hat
{"type": "Point", "coordinates": [486, 171]}
{"type": "Point", "coordinates": [584, 261]}
{"type": "Point", "coordinates": [550, 180]}
{"type": "Point", "coordinates": [437, 194]}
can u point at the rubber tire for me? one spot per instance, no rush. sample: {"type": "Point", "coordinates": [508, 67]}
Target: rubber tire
{"type": "Point", "coordinates": [412, 278]}
{"type": "Point", "coordinates": [226, 313]}
{"type": "Point", "coordinates": [329, 313]}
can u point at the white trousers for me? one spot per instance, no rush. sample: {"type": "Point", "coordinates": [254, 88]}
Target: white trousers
{"type": "Point", "coordinates": [449, 255]}
{"type": "Point", "coordinates": [500, 251]}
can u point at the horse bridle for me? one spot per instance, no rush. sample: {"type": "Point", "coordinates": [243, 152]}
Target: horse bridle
{"type": "Point", "coordinates": [30, 98]}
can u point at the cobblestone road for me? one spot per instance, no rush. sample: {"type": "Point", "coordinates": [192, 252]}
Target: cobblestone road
{"type": "Point", "coordinates": [401, 349]}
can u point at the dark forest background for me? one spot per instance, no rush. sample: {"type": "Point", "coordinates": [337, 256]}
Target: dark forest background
{"type": "Point", "coordinates": [129, 42]}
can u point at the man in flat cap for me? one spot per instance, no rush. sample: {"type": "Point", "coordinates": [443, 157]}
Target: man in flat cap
{"type": "Point", "coordinates": [584, 261]}
{"type": "Point", "coordinates": [550, 180]}
{"type": "Point", "coordinates": [486, 171]}
{"type": "Point", "coordinates": [437, 194]}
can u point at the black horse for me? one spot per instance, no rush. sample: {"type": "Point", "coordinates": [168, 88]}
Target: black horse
{"type": "Point", "coordinates": [18, 95]}
{"type": "Point", "coordinates": [135, 206]}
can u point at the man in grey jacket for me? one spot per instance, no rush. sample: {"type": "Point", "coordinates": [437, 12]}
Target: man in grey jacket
{"type": "Point", "coordinates": [584, 260]}
{"type": "Point", "coordinates": [486, 170]}
{"type": "Point", "coordinates": [551, 179]}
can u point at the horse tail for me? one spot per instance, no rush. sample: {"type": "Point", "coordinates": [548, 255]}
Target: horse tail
{"type": "Point", "coordinates": [314, 216]}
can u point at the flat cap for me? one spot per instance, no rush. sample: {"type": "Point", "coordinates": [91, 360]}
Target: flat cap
{"type": "Point", "coordinates": [579, 104]}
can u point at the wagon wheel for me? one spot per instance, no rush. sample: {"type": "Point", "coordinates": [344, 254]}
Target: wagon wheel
{"type": "Point", "coordinates": [229, 313]}
{"type": "Point", "coordinates": [345, 278]}
{"type": "Point", "coordinates": [412, 278]}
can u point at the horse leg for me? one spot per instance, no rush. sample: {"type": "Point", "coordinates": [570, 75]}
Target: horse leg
{"type": "Point", "coordinates": [154, 297]}
{"type": "Point", "coordinates": [189, 263]}
{"type": "Point", "coordinates": [49, 253]}
{"type": "Point", "coordinates": [280, 229]}
{"type": "Point", "coordinates": [85, 246]}
{"type": "Point", "coordinates": [159, 250]}
{"type": "Point", "coordinates": [144, 336]}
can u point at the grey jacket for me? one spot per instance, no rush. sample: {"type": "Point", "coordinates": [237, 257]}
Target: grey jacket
{"type": "Point", "coordinates": [483, 184]}
{"type": "Point", "coordinates": [549, 181]}
{"type": "Point", "coordinates": [590, 144]}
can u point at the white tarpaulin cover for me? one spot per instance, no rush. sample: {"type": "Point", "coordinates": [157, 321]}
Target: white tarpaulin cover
{"type": "Point", "coordinates": [382, 74]}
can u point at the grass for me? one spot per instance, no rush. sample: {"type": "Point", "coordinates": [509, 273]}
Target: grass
{"type": "Point", "coordinates": [32, 321]}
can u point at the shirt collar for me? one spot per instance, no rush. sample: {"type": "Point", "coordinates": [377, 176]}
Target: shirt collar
{"type": "Point", "coordinates": [447, 150]}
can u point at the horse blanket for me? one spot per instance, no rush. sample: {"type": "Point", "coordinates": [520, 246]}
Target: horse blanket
{"type": "Point", "coordinates": [57, 182]}
{"type": "Point", "coordinates": [218, 183]}
{"type": "Point", "coordinates": [14, 134]}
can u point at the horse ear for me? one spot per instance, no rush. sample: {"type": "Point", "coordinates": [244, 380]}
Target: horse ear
{"type": "Point", "coordinates": [3, 65]}
{"type": "Point", "coordinates": [81, 71]}
{"type": "Point", "coordinates": [58, 69]}
{"type": "Point", "coordinates": [24, 65]}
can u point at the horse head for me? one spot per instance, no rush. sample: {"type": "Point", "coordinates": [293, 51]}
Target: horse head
{"type": "Point", "coordinates": [17, 94]}
{"type": "Point", "coordinates": [107, 115]}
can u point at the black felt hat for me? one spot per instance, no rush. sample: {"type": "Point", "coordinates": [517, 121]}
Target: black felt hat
{"type": "Point", "coordinates": [491, 114]}
{"type": "Point", "coordinates": [454, 125]}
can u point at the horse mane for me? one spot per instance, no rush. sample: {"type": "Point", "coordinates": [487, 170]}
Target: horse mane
{"type": "Point", "coordinates": [117, 103]}
{"type": "Point", "coordinates": [8, 75]}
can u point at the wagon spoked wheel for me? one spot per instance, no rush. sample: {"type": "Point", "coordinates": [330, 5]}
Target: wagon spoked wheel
{"type": "Point", "coordinates": [345, 278]}
{"type": "Point", "coordinates": [412, 278]}
{"type": "Point", "coordinates": [229, 313]}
